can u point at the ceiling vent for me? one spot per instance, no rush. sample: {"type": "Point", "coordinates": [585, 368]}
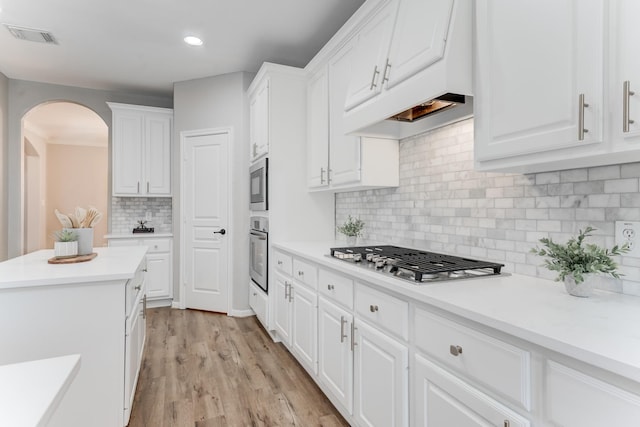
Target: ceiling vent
{"type": "Point", "coordinates": [31, 34]}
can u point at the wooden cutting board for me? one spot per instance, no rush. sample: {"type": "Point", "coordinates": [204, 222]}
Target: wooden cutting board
{"type": "Point", "coordinates": [73, 260]}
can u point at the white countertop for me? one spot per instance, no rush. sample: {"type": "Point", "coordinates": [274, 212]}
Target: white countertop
{"type": "Point", "coordinates": [30, 392]}
{"type": "Point", "coordinates": [603, 330]}
{"type": "Point", "coordinates": [137, 235]}
{"type": "Point", "coordinates": [29, 270]}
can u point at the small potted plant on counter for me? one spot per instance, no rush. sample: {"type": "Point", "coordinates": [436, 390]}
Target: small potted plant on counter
{"type": "Point", "coordinates": [66, 244]}
{"type": "Point", "coordinates": [352, 228]}
{"type": "Point", "coordinates": [579, 265]}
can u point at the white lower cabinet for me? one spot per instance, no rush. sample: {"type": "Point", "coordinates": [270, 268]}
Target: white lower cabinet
{"type": "Point", "coordinates": [296, 319]}
{"type": "Point", "coordinates": [335, 358]}
{"type": "Point", "coordinates": [442, 399]}
{"type": "Point", "coordinates": [135, 334]}
{"type": "Point", "coordinates": [381, 379]}
{"type": "Point", "coordinates": [159, 264]}
{"type": "Point", "coordinates": [258, 301]}
{"type": "Point", "coordinates": [574, 399]}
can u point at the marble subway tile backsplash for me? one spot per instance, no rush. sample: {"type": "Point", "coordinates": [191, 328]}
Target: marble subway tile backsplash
{"type": "Point", "coordinates": [444, 205]}
{"type": "Point", "coordinates": [127, 211]}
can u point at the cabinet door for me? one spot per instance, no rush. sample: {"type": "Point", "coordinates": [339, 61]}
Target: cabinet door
{"type": "Point", "coordinates": [534, 60]}
{"type": "Point", "coordinates": [127, 140]}
{"type": "Point", "coordinates": [419, 37]}
{"type": "Point", "coordinates": [134, 346]}
{"type": "Point", "coordinates": [381, 379]}
{"type": "Point", "coordinates": [158, 275]}
{"type": "Point", "coordinates": [304, 335]}
{"type": "Point", "coordinates": [335, 359]}
{"type": "Point", "coordinates": [259, 121]}
{"type": "Point", "coordinates": [158, 154]}
{"type": "Point", "coordinates": [344, 152]}
{"type": "Point", "coordinates": [625, 67]}
{"type": "Point", "coordinates": [442, 399]}
{"type": "Point", "coordinates": [318, 130]}
{"type": "Point", "coordinates": [282, 315]}
{"type": "Point", "coordinates": [372, 46]}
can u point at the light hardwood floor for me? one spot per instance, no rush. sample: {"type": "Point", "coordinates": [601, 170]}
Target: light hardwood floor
{"type": "Point", "coordinates": [205, 369]}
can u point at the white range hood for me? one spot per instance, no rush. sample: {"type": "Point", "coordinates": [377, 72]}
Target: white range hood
{"type": "Point", "coordinates": [428, 56]}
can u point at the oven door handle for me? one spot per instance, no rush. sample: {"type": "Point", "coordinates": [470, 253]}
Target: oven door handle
{"type": "Point", "coordinates": [259, 235]}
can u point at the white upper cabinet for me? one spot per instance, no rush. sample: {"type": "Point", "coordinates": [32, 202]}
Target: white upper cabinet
{"type": "Point", "coordinates": [370, 56]}
{"type": "Point", "coordinates": [539, 76]}
{"type": "Point", "coordinates": [625, 72]}
{"type": "Point", "coordinates": [318, 130]}
{"type": "Point", "coordinates": [141, 146]}
{"type": "Point", "coordinates": [259, 132]}
{"type": "Point", "coordinates": [419, 38]}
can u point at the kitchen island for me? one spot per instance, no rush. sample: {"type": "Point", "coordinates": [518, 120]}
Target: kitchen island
{"type": "Point", "coordinates": [94, 309]}
{"type": "Point", "coordinates": [511, 349]}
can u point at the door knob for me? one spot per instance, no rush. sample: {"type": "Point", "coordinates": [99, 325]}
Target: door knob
{"type": "Point", "coordinates": [222, 231]}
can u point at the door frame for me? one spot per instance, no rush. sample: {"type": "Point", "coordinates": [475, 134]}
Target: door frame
{"type": "Point", "coordinates": [230, 258]}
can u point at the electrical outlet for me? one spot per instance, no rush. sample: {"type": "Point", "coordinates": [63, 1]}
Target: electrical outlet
{"type": "Point", "coordinates": [628, 232]}
{"type": "Point", "coordinates": [148, 216]}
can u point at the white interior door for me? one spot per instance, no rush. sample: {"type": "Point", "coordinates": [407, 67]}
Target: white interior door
{"type": "Point", "coordinates": [205, 213]}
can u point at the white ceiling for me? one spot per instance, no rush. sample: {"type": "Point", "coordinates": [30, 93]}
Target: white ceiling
{"type": "Point", "coordinates": [136, 45]}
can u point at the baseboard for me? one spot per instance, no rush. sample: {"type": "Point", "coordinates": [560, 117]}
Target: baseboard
{"type": "Point", "coordinates": [175, 304]}
{"type": "Point", "coordinates": [162, 302]}
{"type": "Point", "coordinates": [241, 313]}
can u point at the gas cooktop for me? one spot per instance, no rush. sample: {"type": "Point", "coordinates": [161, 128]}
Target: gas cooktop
{"type": "Point", "coordinates": [414, 265]}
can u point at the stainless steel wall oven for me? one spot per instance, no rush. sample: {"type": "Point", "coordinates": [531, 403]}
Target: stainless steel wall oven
{"type": "Point", "coordinates": [259, 252]}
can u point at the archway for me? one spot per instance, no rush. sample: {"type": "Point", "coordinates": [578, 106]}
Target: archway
{"type": "Point", "coordinates": [66, 164]}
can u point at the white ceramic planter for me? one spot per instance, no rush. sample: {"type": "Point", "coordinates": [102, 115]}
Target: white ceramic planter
{"type": "Point", "coordinates": [584, 289]}
{"type": "Point", "coordinates": [85, 240]}
{"type": "Point", "coordinates": [352, 240]}
{"type": "Point", "coordinates": [65, 249]}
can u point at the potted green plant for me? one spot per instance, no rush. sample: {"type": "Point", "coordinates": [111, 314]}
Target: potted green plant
{"type": "Point", "coordinates": [66, 244]}
{"type": "Point", "coordinates": [352, 228]}
{"type": "Point", "coordinates": [579, 264]}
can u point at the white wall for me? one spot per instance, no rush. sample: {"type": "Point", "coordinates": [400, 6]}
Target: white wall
{"type": "Point", "coordinates": [219, 102]}
{"type": "Point", "coordinates": [22, 97]}
{"type": "Point", "coordinates": [4, 138]}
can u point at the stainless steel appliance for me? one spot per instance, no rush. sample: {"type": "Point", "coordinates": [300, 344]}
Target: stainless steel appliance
{"type": "Point", "coordinates": [415, 265]}
{"type": "Point", "coordinates": [258, 183]}
{"type": "Point", "coordinates": [259, 248]}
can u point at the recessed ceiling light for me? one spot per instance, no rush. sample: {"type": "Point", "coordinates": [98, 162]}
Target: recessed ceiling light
{"type": "Point", "coordinates": [193, 41]}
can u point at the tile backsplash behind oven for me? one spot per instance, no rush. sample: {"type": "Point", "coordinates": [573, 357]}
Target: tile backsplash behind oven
{"type": "Point", "coordinates": [127, 211]}
{"type": "Point", "coordinates": [443, 205]}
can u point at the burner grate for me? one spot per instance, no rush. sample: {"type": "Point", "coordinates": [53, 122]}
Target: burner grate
{"type": "Point", "coordinates": [419, 263]}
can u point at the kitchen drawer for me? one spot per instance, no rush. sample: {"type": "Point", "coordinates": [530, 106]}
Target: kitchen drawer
{"type": "Point", "coordinates": [135, 287]}
{"type": "Point", "coordinates": [157, 245]}
{"type": "Point", "coordinates": [573, 399]}
{"type": "Point", "coordinates": [283, 262]}
{"type": "Point", "coordinates": [258, 302]}
{"type": "Point", "coordinates": [305, 273]}
{"type": "Point", "coordinates": [386, 311]}
{"type": "Point", "coordinates": [123, 242]}
{"type": "Point", "coordinates": [496, 364]}
{"type": "Point", "coordinates": [337, 287]}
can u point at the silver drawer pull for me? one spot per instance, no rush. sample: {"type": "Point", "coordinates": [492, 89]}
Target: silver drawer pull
{"type": "Point", "coordinates": [300, 273]}
{"type": "Point", "coordinates": [137, 288]}
{"type": "Point", "coordinates": [279, 262]}
{"type": "Point", "coordinates": [144, 269]}
{"type": "Point", "coordinates": [331, 287]}
{"type": "Point", "coordinates": [455, 350]}
{"type": "Point", "coordinates": [581, 106]}
{"type": "Point", "coordinates": [626, 94]}
{"type": "Point", "coordinates": [343, 322]}
{"type": "Point", "coordinates": [373, 308]}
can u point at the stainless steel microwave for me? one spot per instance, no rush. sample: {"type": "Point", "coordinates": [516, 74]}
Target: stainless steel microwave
{"type": "Point", "coordinates": [258, 183]}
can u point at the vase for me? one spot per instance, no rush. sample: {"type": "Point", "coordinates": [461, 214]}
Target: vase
{"type": "Point", "coordinates": [65, 249]}
{"type": "Point", "coordinates": [352, 240]}
{"type": "Point", "coordinates": [85, 240]}
{"type": "Point", "coordinates": [584, 289]}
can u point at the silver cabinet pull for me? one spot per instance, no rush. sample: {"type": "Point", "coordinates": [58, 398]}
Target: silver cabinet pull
{"type": "Point", "coordinates": [255, 294]}
{"type": "Point", "coordinates": [147, 186]}
{"type": "Point", "coordinates": [331, 287]}
{"type": "Point", "coordinates": [255, 149]}
{"type": "Point", "coordinates": [626, 94]}
{"type": "Point", "coordinates": [329, 171]}
{"type": "Point", "coordinates": [373, 308]}
{"type": "Point", "coordinates": [286, 290]}
{"type": "Point", "coordinates": [507, 423]}
{"type": "Point", "coordinates": [290, 293]}
{"type": "Point", "coordinates": [279, 262]}
{"type": "Point", "coordinates": [581, 106]}
{"type": "Point", "coordinates": [300, 273]}
{"type": "Point", "coordinates": [137, 288]}
{"type": "Point", "coordinates": [455, 350]}
{"type": "Point", "coordinates": [144, 269]}
{"type": "Point", "coordinates": [373, 78]}
{"type": "Point", "coordinates": [322, 171]}
{"type": "Point", "coordinates": [138, 190]}
{"type": "Point", "coordinates": [343, 322]}
{"type": "Point", "coordinates": [353, 336]}
{"type": "Point", "coordinates": [387, 69]}
{"type": "Point", "coordinates": [144, 306]}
